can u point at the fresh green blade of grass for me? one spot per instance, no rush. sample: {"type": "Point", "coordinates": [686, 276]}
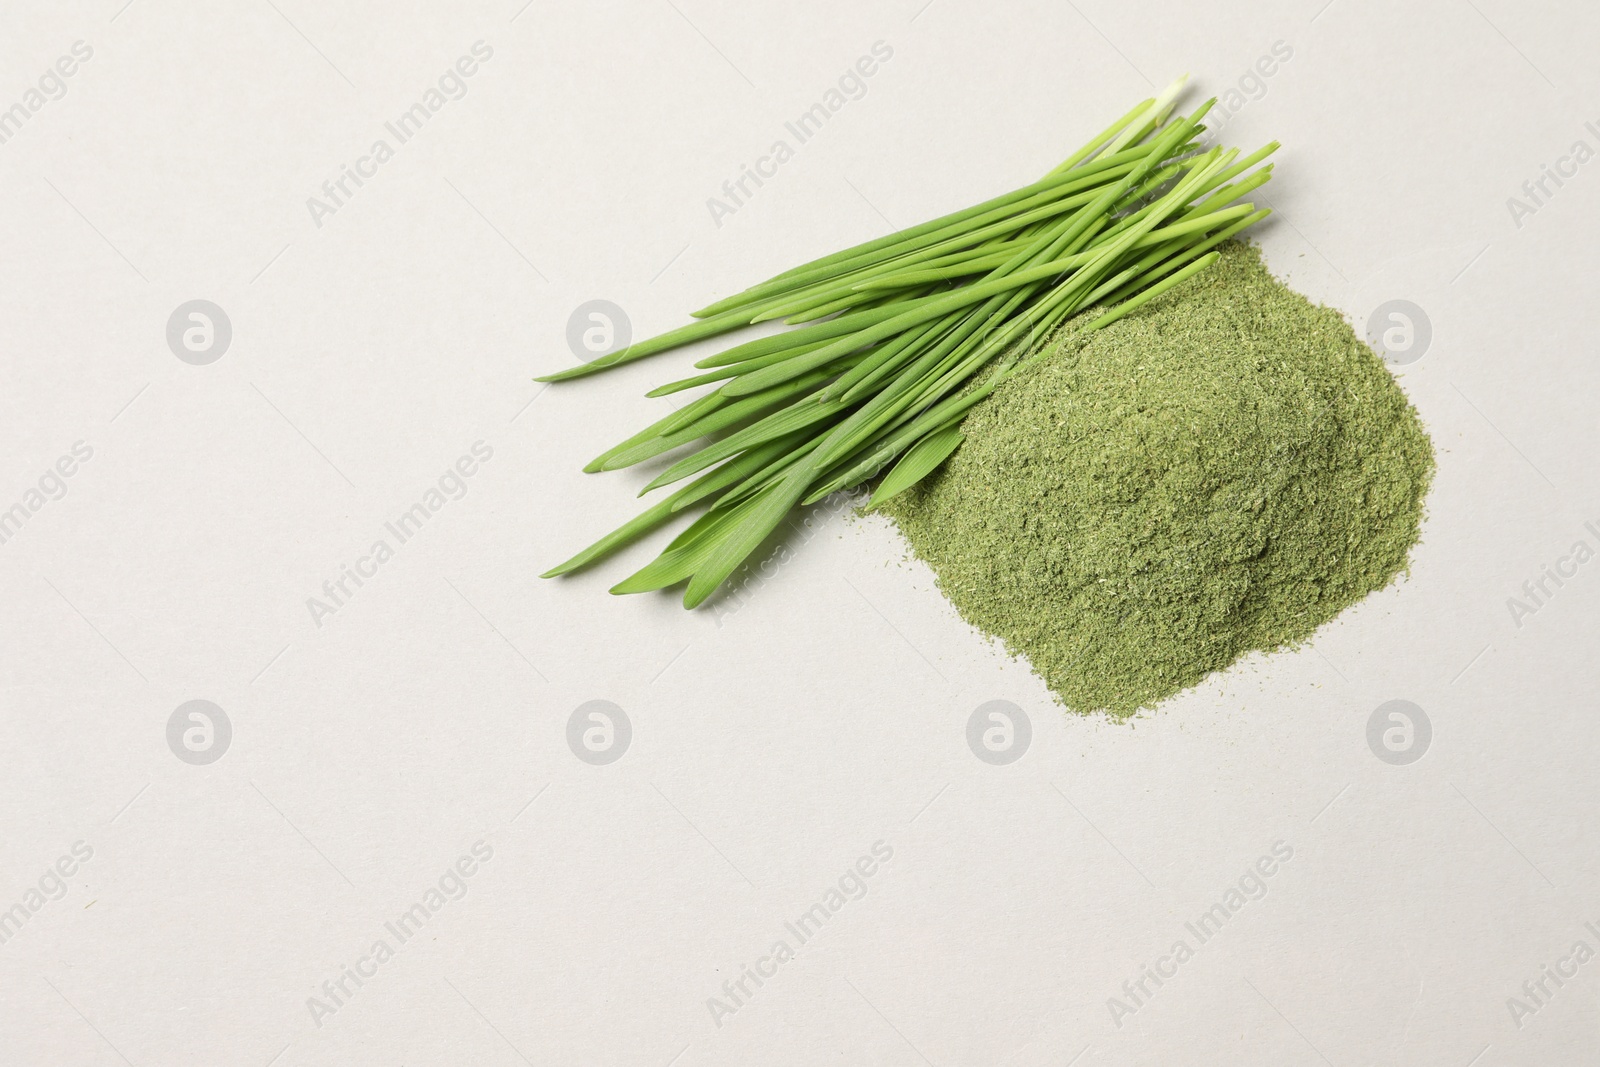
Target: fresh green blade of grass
{"type": "Point", "coordinates": [1151, 116]}
{"type": "Point", "coordinates": [645, 522]}
{"type": "Point", "coordinates": [888, 359]}
{"type": "Point", "coordinates": [776, 499]}
{"type": "Point", "coordinates": [1237, 168]}
{"type": "Point", "coordinates": [861, 462]}
{"type": "Point", "coordinates": [802, 413]}
{"type": "Point", "coordinates": [920, 460]}
{"type": "Point", "coordinates": [849, 300]}
{"type": "Point", "coordinates": [1163, 261]}
{"type": "Point", "coordinates": [965, 268]}
{"type": "Point", "coordinates": [752, 522]}
{"type": "Point", "coordinates": [949, 411]}
{"type": "Point", "coordinates": [937, 245]}
{"type": "Point", "coordinates": [997, 259]}
{"type": "Point", "coordinates": [708, 484]}
{"type": "Point", "coordinates": [794, 339]}
{"type": "Point", "coordinates": [957, 247]}
{"type": "Point", "coordinates": [998, 207]}
{"type": "Point", "coordinates": [683, 335]}
{"type": "Point", "coordinates": [1085, 182]}
{"type": "Point", "coordinates": [1155, 290]}
{"type": "Point", "coordinates": [753, 406]}
{"type": "Point", "coordinates": [769, 473]}
{"type": "Point", "coordinates": [1104, 137]}
{"type": "Point", "coordinates": [732, 370]}
{"type": "Point", "coordinates": [792, 389]}
{"type": "Point", "coordinates": [697, 407]}
{"type": "Point", "coordinates": [826, 289]}
{"type": "Point", "coordinates": [687, 552]}
{"type": "Point", "coordinates": [893, 323]}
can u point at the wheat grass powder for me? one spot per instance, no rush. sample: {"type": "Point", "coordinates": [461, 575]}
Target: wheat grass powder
{"type": "Point", "coordinates": [1222, 471]}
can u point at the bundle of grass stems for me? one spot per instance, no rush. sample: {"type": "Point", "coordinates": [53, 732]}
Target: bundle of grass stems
{"type": "Point", "coordinates": [897, 338]}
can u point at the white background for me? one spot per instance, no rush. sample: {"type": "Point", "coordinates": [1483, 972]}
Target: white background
{"type": "Point", "coordinates": [772, 745]}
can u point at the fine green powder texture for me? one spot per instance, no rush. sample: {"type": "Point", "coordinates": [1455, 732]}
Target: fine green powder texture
{"type": "Point", "coordinates": [1221, 471]}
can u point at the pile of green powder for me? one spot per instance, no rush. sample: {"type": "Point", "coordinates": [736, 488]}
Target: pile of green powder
{"type": "Point", "coordinates": [1223, 470]}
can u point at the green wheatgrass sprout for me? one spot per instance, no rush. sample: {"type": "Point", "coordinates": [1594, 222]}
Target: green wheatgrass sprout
{"type": "Point", "coordinates": [896, 338]}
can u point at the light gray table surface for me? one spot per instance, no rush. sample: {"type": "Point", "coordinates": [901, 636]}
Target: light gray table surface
{"type": "Point", "coordinates": [388, 763]}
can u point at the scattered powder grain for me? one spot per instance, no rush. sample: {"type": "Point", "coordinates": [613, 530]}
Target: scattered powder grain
{"type": "Point", "coordinates": [1223, 470]}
